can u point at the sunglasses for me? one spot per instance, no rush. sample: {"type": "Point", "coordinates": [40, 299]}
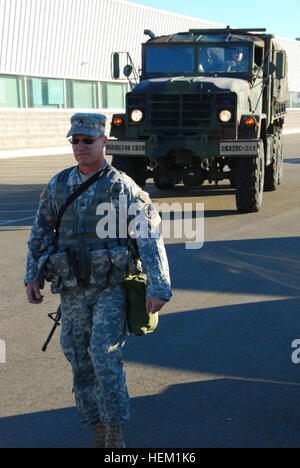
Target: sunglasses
{"type": "Point", "coordinates": [86, 141]}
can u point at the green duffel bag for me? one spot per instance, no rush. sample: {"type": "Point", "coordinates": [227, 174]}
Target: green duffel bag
{"type": "Point", "coordinates": [138, 320]}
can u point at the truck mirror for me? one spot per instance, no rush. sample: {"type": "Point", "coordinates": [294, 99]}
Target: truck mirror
{"type": "Point", "coordinates": [127, 70]}
{"type": "Point", "coordinates": [116, 66]}
{"type": "Point", "coordinates": [280, 64]}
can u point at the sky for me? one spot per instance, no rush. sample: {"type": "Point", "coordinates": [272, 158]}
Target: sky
{"type": "Point", "coordinates": [280, 17]}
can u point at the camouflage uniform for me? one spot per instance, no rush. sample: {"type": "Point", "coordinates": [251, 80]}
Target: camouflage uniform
{"type": "Point", "coordinates": [94, 314]}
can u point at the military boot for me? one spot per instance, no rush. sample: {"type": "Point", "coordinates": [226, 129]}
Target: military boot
{"type": "Point", "coordinates": [114, 437]}
{"type": "Point", "coordinates": [99, 429]}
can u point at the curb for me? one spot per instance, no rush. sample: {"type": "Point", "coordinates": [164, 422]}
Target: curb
{"type": "Point", "coordinates": [28, 152]}
{"type": "Point", "coordinates": [291, 132]}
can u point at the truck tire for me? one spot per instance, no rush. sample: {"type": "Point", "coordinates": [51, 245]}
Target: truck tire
{"type": "Point", "coordinates": [135, 168]}
{"type": "Point", "coordinates": [250, 182]}
{"type": "Point", "coordinates": [271, 171]}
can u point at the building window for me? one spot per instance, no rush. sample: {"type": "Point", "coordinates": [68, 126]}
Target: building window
{"type": "Point", "coordinates": [113, 95]}
{"type": "Point", "coordinates": [44, 92]}
{"type": "Point", "coordinates": [11, 91]}
{"type": "Point", "coordinates": [294, 100]}
{"type": "Point", "coordinates": [82, 94]}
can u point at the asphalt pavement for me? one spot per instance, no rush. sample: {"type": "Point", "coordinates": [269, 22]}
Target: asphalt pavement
{"type": "Point", "coordinates": [219, 370]}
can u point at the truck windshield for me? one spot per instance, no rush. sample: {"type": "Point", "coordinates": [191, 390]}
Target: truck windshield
{"type": "Point", "coordinates": [229, 59]}
{"type": "Point", "coordinates": [171, 59]}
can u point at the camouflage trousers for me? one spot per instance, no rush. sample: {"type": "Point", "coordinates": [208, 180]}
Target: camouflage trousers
{"type": "Point", "coordinates": [92, 338]}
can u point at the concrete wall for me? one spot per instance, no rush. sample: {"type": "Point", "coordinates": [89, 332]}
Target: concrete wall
{"type": "Point", "coordinates": [38, 128]}
{"type": "Point", "coordinates": [292, 120]}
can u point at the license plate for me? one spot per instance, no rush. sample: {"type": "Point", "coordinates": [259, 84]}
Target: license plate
{"type": "Point", "coordinates": [238, 148]}
{"type": "Point", "coordinates": [136, 148]}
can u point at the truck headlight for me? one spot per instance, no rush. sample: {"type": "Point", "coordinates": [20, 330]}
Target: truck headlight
{"type": "Point", "coordinates": [136, 115]}
{"type": "Point", "coordinates": [225, 116]}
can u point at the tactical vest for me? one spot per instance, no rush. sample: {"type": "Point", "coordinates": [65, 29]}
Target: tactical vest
{"type": "Point", "coordinates": [82, 258]}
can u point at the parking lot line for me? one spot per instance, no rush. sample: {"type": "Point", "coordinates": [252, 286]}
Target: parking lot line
{"type": "Point", "coordinates": [13, 221]}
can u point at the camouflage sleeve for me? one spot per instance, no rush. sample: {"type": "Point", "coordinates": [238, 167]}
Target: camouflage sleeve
{"type": "Point", "coordinates": [143, 225]}
{"type": "Point", "coordinates": [42, 233]}
{"type": "Point", "coordinates": [152, 250]}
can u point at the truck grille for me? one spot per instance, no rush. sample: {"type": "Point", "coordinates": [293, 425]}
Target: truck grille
{"type": "Point", "coordinates": [183, 111]}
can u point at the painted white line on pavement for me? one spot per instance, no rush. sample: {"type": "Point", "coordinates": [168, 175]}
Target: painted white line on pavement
{"type": "Point", "coordinates": [13, 221]}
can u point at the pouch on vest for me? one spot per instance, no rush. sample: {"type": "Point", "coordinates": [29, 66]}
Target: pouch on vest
{"type": "Point", "coordinates": [46, 271]}
{"type": "Point", "coordinates": [82, 267]}
{"type": "Point", "coordinates": [60, 272]}
{"type": "Point", "coordinates": [100, 266]}
{"type": "Point", "coordinates": [120, 258]}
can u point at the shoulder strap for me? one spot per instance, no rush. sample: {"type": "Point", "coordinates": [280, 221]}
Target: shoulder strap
{"type": "Point", "coordinates": [76, 194]}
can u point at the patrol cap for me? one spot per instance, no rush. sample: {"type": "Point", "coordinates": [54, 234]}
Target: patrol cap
{"type": "Point", "coordinates": [87, 124]}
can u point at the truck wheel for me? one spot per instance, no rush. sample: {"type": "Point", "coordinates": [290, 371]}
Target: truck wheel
{"type": "Point", "coordinates": [134, 167]}
{"type": "Point", "coordinates": [271, 171]}
{"type": "Point", "coordinates": [250, 182]}
{"type": "Point", "coordinates": [162, 180]}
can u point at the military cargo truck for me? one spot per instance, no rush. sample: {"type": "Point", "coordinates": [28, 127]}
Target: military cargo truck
{"type": "Point", "coordinates": [209, 105]}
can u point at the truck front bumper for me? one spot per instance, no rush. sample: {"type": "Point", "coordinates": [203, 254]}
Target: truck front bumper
{"type": "Point", "coordinates": [203, 148]}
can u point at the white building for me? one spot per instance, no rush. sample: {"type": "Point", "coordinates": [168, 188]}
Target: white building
{"type": "Point", "coordinates": [55, 59]}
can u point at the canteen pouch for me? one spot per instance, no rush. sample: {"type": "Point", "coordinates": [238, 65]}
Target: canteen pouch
{"type": "Point", "coordinates": [58, 269]}
{"type": "Point", "coordinates": [100, 266]}
{"type": "Point", "coordinates": [139, 322]}
{"type": "Point", "coordinates": [120, 258]}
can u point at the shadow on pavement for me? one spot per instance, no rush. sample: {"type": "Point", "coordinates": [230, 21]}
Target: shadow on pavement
{"type": "Point", "coordinates": [221, 413]}
{"type": "Point", "coordinates": [17, 193]}
{"type": "Point", "coordinates": [210, 414]}
{"type": "Point", "coordinates": [267, 266]}
{"type": "Point", "coordinates": [47, 429]}
{"type": "Point", "coordinates": [242, 341]}
{"type": "Point", "coordinates": [292, 161]}
{"type": "Point", "coordinates": [182, 191]}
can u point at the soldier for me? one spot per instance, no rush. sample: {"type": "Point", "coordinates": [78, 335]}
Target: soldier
{"type": "Point", "coordinates": [238, 61]}
{"type": "Point", "coordinates": [88, 272]}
